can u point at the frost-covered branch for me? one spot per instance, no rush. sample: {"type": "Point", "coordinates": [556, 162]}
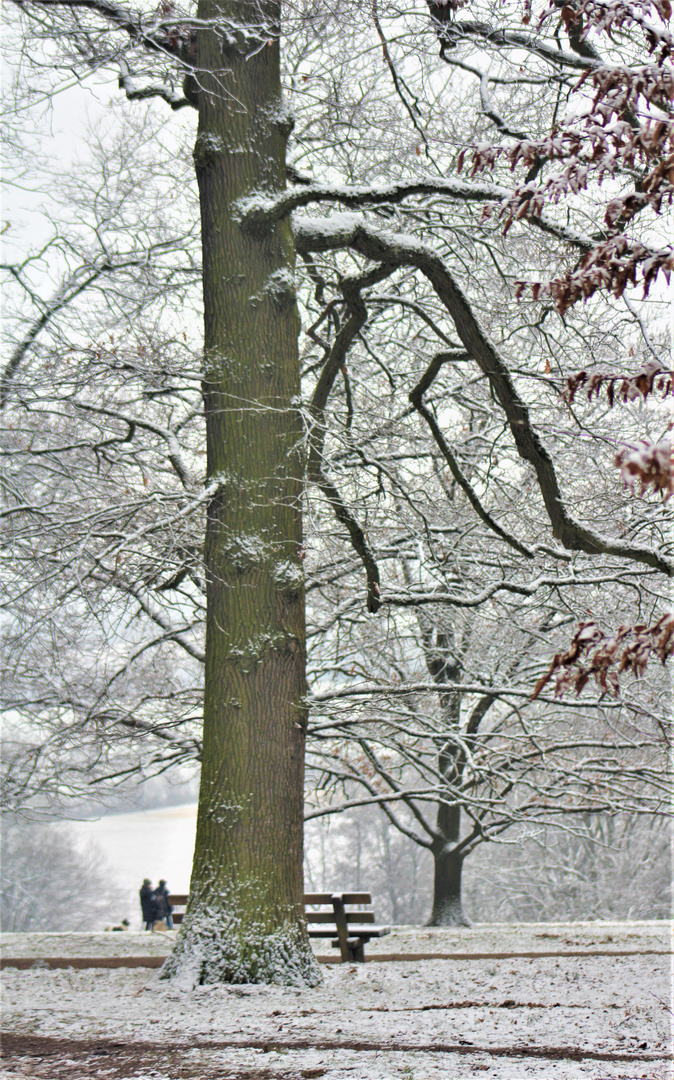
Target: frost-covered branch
{"type": "Point", "coordinates": [350, 231]}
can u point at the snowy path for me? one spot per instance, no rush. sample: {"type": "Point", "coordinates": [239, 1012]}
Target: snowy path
{"type": "Point", "coordinates": [604, 1018]}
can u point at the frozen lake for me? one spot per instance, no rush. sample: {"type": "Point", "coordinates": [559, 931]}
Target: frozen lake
{"type": "Point", "coordinates": [147, 843]}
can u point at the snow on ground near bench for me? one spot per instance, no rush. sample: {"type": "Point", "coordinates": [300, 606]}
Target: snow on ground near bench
{"type": "Point", "coordinates": [605, 1004]}
{"type": "Point", "coordinates": [481, 937]}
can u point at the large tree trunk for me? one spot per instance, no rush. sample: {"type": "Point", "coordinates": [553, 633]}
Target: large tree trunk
{"type": "Point", "coordinates": [245, 919]}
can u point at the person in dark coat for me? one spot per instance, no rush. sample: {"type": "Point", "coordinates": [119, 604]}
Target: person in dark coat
{"type": "Point", "coordinates": [163, 906]}
{"type": "Point", "coordinates": [147, 903]}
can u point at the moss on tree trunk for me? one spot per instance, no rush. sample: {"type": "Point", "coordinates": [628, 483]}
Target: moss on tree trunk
{"type": "Point", "coordinates": [245, 920]}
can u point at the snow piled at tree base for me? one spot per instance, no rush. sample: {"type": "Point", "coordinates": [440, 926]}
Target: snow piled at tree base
{"type": "Point", "coordinates": [228, 950]}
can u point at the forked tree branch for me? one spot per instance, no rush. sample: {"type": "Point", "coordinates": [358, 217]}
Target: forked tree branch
{"type": "Point", "coordinates": [349, 231]}
{"type": "Point", "coordinates": [351, 290]}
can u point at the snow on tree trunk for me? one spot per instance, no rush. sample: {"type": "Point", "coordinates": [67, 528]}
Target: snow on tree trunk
{"type": "Point", "coordinates": [245, 919]}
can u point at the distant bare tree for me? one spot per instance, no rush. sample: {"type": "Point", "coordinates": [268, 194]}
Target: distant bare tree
{"type": "Point", "coordinates": [50, 882]}
{"type": "Point", "coordinates": [597, 868]}
{"type": "Point", "coordinates": [362, 851]}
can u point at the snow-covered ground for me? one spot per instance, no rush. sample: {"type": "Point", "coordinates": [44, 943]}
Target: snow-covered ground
{"type": "Point", "coordinates": [599, 1017]}
{"type": "Point", "coordinates": [479, 938]}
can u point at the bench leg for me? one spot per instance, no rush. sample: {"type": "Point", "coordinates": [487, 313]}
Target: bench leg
{"type": "Point", "coordinates": [348, 954]}
{"type": "Point", "coordinates": [359, 953]}
{"type": "Point", "coordinates": [342, 928]}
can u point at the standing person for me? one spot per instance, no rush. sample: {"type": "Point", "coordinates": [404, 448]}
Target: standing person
{"type": "Point", "coordinates": [147, 903]}
{"type": "Point", "coordinates": [163, 904]}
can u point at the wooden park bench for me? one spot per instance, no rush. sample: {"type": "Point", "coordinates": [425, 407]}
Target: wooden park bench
{"type": "Point", "coordinates": [178, 900]}
{"type": "Point", "coordinates": [350, 939]}
{"type": "Point", "coordinates": [341, 926]}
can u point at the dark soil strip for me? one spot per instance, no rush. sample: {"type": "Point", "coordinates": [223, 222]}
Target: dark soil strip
{"type": "Point", "coordinates": [387, 957]}
{"type": "Point", "coordinates": [24, 962]}
{"type": "Point", "coordinates": [25, 1045]}
{"type": "Point", "coordinates": [55, 1059]}
{"type": "Point", "coordinates": [507, 1004]}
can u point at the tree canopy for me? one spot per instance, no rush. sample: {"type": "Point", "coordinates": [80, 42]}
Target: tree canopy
{"type": "Point", "coordinates": [388, 341]}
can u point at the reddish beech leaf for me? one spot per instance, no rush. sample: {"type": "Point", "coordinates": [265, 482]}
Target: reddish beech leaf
{"type": "Point", "coordinates": [649, 464]}
{"type": "Point", "coordinates": [651, 377]}
{"type": "Point", "coordinates": [583, 661]}
{"type": "Point", "coordinates": [603, 142]}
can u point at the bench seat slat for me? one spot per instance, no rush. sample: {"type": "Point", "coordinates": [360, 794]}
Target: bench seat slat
{"type": "Point", "coordinates": [371, 931]}
{"type": "Point", "coordinates": [362, 939]}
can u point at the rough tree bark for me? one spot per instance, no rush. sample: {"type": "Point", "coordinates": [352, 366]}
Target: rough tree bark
{"type": "Point", "coordinates": [245, 920]}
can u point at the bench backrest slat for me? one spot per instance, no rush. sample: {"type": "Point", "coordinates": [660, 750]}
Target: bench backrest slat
{"type": "Point", "coordinates": [346, 898]}
{"type": "Point", "coordinates": [180, 899]}
{"type": "Point", "coordinates": [337, 916]}
{"type": "Point", "coordinates": [329, 916]}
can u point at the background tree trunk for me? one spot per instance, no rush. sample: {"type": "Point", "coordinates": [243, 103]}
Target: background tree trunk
{"type": "Point", "coordinates": [448, 865]}
{"type": "Point", "coordinates": [245, 921]}
{"type": "Point", "coordinates": [447, 861]}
